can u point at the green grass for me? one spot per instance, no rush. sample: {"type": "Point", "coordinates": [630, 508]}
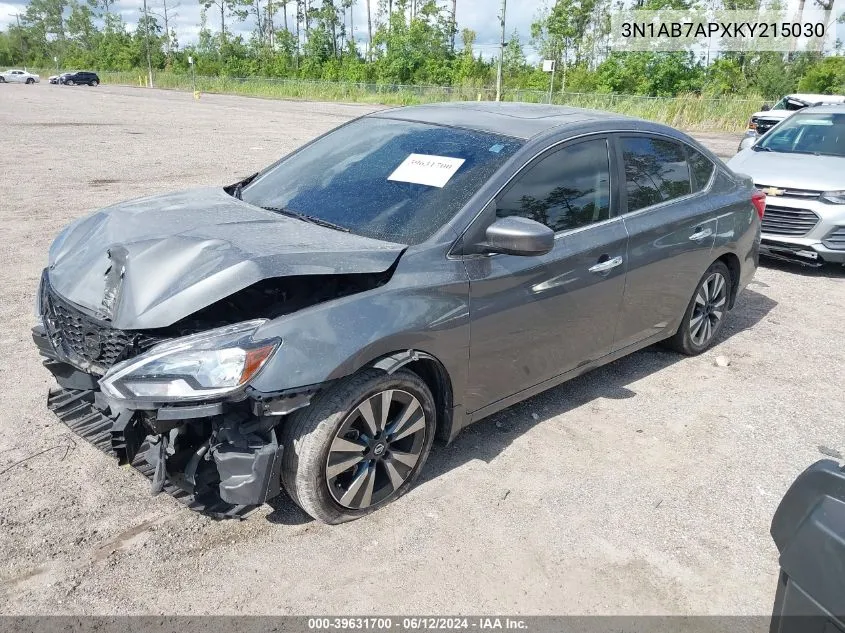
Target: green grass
{"type": "Point", "coordinates": [689, 112]}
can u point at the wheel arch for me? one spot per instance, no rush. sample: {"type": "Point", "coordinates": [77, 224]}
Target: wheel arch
{"type": "Point", "coordinates": [732, 262]}
{"type": "Point", "coordinates": [435, 375]}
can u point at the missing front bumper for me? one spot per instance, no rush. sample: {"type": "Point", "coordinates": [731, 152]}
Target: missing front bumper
{"type": "Point", "coordinates": [246, 475]}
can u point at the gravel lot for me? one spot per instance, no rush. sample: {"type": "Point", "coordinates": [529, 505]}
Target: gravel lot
{"type": "Point", "coordinates": [645, 487]}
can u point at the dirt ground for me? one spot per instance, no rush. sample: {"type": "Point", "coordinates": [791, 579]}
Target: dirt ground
{"type": "Point", "coordinates": [645, 487]}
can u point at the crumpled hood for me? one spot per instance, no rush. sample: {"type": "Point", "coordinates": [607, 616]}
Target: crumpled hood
{"type": "Point", "coordinates": [150, 262]}
{"type": "Point", "coordinates": [791, 171]}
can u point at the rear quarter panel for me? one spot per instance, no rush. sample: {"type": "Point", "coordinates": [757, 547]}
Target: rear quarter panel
{"type": "Point", "coordinates": [738, 228]}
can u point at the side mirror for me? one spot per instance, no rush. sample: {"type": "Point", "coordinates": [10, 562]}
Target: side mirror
{"type": "Point", "coordinates": [766, 107]}
{"type": "Point", "coordinates": [516, 235]}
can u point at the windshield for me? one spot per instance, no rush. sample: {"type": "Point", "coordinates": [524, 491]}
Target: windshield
{"type": "Point", "coordinates": [805, 133]}
{"type": "Point", "coordinates": [789, 104]}
{"type": "Point", "coordinates": [398, 181]}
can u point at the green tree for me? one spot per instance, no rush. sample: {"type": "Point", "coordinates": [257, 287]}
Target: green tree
{"type": "Point", "coordinates": [826, 77]}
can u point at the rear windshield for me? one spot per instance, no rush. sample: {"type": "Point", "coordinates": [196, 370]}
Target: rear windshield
{"type": "Point", "coordinates": [822, 134]}
{"type": "Point", "coordinates": [391, 180]}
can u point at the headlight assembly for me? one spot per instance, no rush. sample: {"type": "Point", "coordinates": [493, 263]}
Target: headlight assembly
{"type": "Point", "coordinates": [202, 366]}
{"type": "Point", "coordinates": [834, 197]}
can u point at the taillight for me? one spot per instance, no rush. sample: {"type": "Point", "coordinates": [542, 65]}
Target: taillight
{"type": "Point", "coordinates": [758, 199]}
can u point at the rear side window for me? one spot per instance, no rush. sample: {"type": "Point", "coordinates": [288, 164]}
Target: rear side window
{"type": "Point", "coordinates": [701, 169]}
{"type": "Point", "coordinates": [656, 170]}
{"type": "Point", "coordinates": [564, 190]}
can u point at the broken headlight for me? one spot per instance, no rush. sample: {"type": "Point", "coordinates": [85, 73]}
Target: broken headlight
{"type": "Point", "coordinates": [197, 367]}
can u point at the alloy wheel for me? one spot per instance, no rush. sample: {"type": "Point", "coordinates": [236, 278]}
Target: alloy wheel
{"type": "Point", "coordinates": [709, 308]}
{"type": "Point", "coordinates": [376, 449]}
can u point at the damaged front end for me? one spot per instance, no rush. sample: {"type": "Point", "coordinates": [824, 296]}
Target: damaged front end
{"type": "Point", "coordinates": [179, 410]}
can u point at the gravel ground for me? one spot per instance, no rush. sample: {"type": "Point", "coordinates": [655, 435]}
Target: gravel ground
{"type": "Point", "coordinates": [645, 487]}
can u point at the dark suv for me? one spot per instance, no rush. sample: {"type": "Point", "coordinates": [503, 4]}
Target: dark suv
{"type": "Point", "coordinates": [82, 77]}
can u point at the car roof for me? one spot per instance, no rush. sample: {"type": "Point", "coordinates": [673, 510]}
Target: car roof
{"type": "Point", "coordinates": [815, 98]}
{"type": "Point", "coordinates": [520, 120]}
{"type": "Point", "coordinates": [833, 108]}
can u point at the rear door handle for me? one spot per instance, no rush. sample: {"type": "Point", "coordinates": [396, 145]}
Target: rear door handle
{"type": "Point", "coordinates": [609, 264]}
{"type": "Point", "coordinates": [700, 234]}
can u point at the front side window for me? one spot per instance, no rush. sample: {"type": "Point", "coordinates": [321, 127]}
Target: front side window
{"type": "Point", "coordinates": [387, 179]}
{"type": "Point", "coordinates": [656, 171]}
{"type": "Point", "coordinates": [564, 190]}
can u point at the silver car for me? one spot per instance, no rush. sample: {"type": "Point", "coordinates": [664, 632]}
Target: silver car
{"type": "Point", "coordinates": [800, 165]}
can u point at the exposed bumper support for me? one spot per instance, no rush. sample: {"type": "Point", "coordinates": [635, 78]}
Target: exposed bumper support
{"type": "Point", "coordinates": [247, 479]}
{"type": "Point", "coordinates": [796, 254]}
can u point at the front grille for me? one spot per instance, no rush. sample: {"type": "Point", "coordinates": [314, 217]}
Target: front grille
{"type": "Point", "coordinates": [836, 240]}
{"type": "Point", "coordinates": [804, 194]}
{"type": "Point", "coordinates": [88, 342]}
{"type": "Point", "coordinates": [764, 125]}
{"type": "Point", "coordinates": [788, 221]}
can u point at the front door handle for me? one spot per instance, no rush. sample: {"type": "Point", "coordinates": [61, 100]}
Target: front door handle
{"type": "Point", "coordinates": [700, 234]}
{"type": "Point", "coordinates": [608, 264]}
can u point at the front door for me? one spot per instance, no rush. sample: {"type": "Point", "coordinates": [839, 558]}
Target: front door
{"type": "Point", "coordinates": [534, 318]}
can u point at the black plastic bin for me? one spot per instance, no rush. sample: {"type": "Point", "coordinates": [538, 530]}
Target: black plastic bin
{"type": "Point", "coordinates": [809, 531]}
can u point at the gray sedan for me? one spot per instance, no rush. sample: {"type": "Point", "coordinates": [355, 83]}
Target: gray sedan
{"type": "Point", "coordinates": [316, 325]}
{"type": "Point", "coordinates": [800, 165]}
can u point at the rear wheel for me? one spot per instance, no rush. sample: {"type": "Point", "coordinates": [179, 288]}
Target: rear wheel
{"type": "Point", "coordinates": [358, 446]}
{"type": "Point", "coordinates": [706, 312]}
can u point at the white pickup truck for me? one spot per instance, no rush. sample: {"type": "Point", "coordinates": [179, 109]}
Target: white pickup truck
{"type": "Point", "coordinates": [763, 121]}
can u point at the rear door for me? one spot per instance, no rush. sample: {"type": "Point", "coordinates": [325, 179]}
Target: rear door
{"type": "Point", "coordinates": [534, 318]}
{"type": "Point", "coordinates": [671, 226]}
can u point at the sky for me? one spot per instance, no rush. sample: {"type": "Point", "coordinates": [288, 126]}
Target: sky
{"type": "Point", "coordinates": [479, 15]}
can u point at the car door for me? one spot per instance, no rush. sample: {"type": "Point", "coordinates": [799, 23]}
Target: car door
{"type": "Point", "coordinates": [17, 76]}
{"type": "Point", "coordinates": [671, 226]}
{"type": "Point", "coordinates": [534, 318]}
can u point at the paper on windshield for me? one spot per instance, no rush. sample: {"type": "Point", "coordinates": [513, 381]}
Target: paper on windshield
{"type": "Point", "coordinates": [425, 169]}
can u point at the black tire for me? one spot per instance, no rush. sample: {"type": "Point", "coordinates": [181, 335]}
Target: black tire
{"type": "Point", "coordinates": [684, 340]}
{"type": "Point", "coordinates": [95, 83]}
{"type": "Point", "coordinates": [69, 83]}
{"type": "Point", "coordinates": [30, 81]}
{"type": "Point", "coordinates": [2, 81]}
{"type": "Point", "coordinates": [308, 436]}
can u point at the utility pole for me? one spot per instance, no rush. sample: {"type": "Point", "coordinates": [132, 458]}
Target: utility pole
{"type": "Point", "coordinates": [501, 55]}
{"type": "Point", "coordinates": [20, 38]}
{"type": "Point", "coordinates": [147, 38]}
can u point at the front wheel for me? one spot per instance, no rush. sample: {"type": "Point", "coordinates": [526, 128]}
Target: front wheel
{"type": "Point", "coordinates": [30, 81]}
{"type": "Point", "coordinates": [69, 83]}
{"type": "Point", "coordinates": [95, 83]}
{"type": "Point", "coordinates": [358, 446]}
{"type": "Point", "coordinates": [2, 80]}
{"type": "Point", "coordinates": [706, 312]}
